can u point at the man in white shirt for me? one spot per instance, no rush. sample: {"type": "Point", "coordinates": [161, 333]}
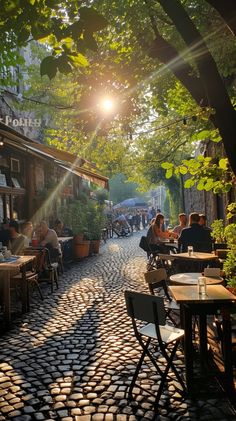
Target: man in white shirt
{"type": "Point", "coordinates": [182, 224]}
{"type": "Point", "coordinates": [48, 237]}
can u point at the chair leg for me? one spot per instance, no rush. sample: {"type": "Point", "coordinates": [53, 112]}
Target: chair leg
{"type": "Point", "coordinates": [39, 290]}
{"type": "Point", "coordinates": [56, 278]}
{"type": "Point", "coordinates": [139, 365]}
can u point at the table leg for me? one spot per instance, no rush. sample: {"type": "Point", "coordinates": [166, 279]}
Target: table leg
{"type": "Point", "coordinates": [203, 338]}
{"type": "Point", "coordinates": [227, 350]}
{"type": "Point", "coordinates": [188, 346]}
{"type": "Point", "coordinates": [7, 298]}
{"type": "Point", "coordinates": [25, 292]}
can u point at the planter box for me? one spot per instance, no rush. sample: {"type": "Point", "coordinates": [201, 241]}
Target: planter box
{"type": "Point", "coordinates": [94, 246]}
{"type": "Point", "coordinates": [81, 249]}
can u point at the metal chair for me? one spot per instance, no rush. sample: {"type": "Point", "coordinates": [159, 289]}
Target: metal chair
{"type": "Point", "coordinates": [152, 253]}
{"type": "Point", "coordinates": [156, 279]}
{"type": "Point", "coordinates": [164, 338]}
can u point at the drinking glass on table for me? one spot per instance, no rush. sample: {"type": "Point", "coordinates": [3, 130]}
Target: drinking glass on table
{"type": "Point", "coordinates": [202, 285]}
{"type": "Point", "coordinates": [190, 251]}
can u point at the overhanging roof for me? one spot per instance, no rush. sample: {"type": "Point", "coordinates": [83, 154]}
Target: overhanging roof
{"type": "Point", "coordinates": [78, 166]}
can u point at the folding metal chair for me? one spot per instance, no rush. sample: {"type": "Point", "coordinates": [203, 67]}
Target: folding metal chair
{"type": "Point", "coordinates": [165, 338]}
{"type": "Point", "coordinates": [156, 279]}
{"type": "Point", "coordinates": [152, 253]}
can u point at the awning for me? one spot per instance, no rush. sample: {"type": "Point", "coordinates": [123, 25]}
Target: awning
{"type": "Point", "coordinates": [87, 175]}
{"type": "Point", "coordinates": [78, 166]}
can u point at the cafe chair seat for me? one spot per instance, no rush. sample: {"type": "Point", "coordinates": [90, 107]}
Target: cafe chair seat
{"type": "Point", "coordinates": [158, 340]}
{"type": "Point", "coordinates": [31, 278]}
{"type": "Point", "coordinates": [156, 280]}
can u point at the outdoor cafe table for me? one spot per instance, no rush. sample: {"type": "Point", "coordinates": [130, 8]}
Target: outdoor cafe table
{"type": "Point", "coordinates": [191, 303]}
{"type": "Point", "coordinates": [9, 268]}
{"type": "Point", "coordinates": [192, 279]}
{"type": "Point", "coordinates": [195, 256]}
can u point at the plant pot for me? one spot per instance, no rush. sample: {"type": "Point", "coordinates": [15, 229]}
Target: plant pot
{"type": "Point", "coordinates": [94, 246]}
{"type": "Point", "coordinates": [232, 290]}
{"type": "Point", "coordinates": [220, 246]}
{"type": "Point", "coordinates": [78, 238]}
{"type": "Point", "coordinates": [81, 249]}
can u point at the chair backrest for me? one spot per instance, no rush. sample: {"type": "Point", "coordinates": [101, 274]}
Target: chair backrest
{"type": "Point", "coordinates": [148, 308]}
{"type": "Point", "coordinates": [155, 276]}
{"type": "Point", "coordinates": [40, 261]}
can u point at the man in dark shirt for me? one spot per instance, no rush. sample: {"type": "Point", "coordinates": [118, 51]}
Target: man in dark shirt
{"type": "Point", "coordinates": [195, 235]}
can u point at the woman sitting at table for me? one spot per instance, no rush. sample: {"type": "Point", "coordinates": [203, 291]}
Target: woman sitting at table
{"type": "Point", "coordinates": [156, 237]}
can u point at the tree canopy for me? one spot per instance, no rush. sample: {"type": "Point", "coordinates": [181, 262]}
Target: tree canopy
{"type": "Point", "coordinates": [172, 76]}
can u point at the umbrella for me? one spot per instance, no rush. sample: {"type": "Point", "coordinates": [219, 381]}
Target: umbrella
{"type": "Point", "coordinates": [134, 202]}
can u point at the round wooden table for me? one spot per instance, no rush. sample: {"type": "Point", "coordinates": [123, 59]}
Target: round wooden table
{"type": "Point", "coordinates": [192, 279]}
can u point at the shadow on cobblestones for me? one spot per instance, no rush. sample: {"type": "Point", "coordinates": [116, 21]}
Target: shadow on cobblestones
{"type": "Point", "coordinates": [72, 357]}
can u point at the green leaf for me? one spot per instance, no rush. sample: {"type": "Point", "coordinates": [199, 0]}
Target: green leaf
{"type": "Point", "coordinates": [48, 67]}
{"type": "Point", "coordinates": [223, 163]}
{"type": "Point", "coordinates": [78, 60]}
{"type": "Point", "coordinates": [63, 65]}
{"type": "Point", "coordinates": [169, 173]}
{"type": "Point", "coordinates": [204, 134]}
{"type": "Point", "coordinates": [92, 20]}
{"type": "Point", "coordinates": [167, 165]}
{"type": "Point", "coordinates": [189, 183]}
{"type": "Point", "coordinates": [183, 170]}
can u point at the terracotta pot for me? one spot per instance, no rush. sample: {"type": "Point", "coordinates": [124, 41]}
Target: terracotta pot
{"type": "Point", "coordinates": [81, 249]}
{"type": "Point", "coordinates": [78, 238]}
{"type": "Point", "coordinates": [94, 245]}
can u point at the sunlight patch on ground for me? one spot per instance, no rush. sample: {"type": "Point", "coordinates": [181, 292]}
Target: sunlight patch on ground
{"type": "Point", "coordinates": [114, 247]}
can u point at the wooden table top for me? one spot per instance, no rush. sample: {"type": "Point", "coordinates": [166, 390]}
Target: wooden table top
{"type": "Point", "coordinates": [192, 279]}
{"type": "Point", "coordinates": [189, 294]}
{"type": "Point", "coordinates": [16, 264]}
{"type": "Point", "coordinates": [195, 256]}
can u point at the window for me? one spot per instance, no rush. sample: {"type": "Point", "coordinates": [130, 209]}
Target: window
{"type": "Point", "coordinates": [15, 165]}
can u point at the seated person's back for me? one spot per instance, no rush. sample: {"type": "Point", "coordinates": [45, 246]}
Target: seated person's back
{"type": "Point", "coordinates": [195, 235]}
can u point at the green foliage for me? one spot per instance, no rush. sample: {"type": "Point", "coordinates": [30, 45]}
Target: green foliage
{"type": "Point", "coordinates": [231, 210]}
{"type": "Point", "coordinates": [204, 173]}
{"type": "Point", "coordinates": [96, 220]}
{"type": "Point", "coordinates": [121, 189]}
{"type": "Point", "coordinates": [230, 268]}
{"type": "Point", "coordinates": [74, 216]}
{"type": "Point", "coordinates": [218, 230]}
{"type": "Point", "coordinates": [67, 29]}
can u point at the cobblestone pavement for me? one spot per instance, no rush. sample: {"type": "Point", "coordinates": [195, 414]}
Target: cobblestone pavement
{"type": "Point", "coordinates": [71, 358]}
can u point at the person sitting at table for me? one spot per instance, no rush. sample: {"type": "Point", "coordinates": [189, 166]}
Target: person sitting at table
{"type": "Point", "coordinates": [202, 221]}
{"type": "Point", "coordinates": [182, 224]}
{"type": "Point", "coordinates": [156, 236]}
{"type": "Point", "coordinates": [5, 232]}
{"type": "Point", "coordinates": [18, 242]}
{"type": "Point", "coordinates": [61, 230]}
{"type": "Point", "coordinates": [195, 235]}
{"type": "Point", "coordinates": [27, 230]}
{"type": "Point", "coordinates": [48, 238]}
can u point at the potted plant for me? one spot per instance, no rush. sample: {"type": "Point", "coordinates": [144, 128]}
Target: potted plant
{"type": "Point", "coordinates": [96, 222]}
{"type": "Point", "coordinates": [229, 265]}
{"type": "Point", "coordinates": [218, 234]}
{"type": "Point", "coordinates": [74, 216]}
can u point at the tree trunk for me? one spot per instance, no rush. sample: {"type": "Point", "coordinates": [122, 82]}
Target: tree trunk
{"type": "Point", "coordinates": [225, 115]}
{"type": "Point", "coordinates": [227, 10]}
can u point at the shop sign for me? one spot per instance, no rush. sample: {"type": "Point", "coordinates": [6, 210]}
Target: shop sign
{"type": "Point", "coordinates": [21, 122]}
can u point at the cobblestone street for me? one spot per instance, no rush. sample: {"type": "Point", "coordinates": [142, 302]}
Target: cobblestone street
{"type": "Point", "coordinates": [72, 357]}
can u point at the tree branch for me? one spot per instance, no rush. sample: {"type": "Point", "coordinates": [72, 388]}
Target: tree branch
{"type": "Point", "coordinates": [227, 10]}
